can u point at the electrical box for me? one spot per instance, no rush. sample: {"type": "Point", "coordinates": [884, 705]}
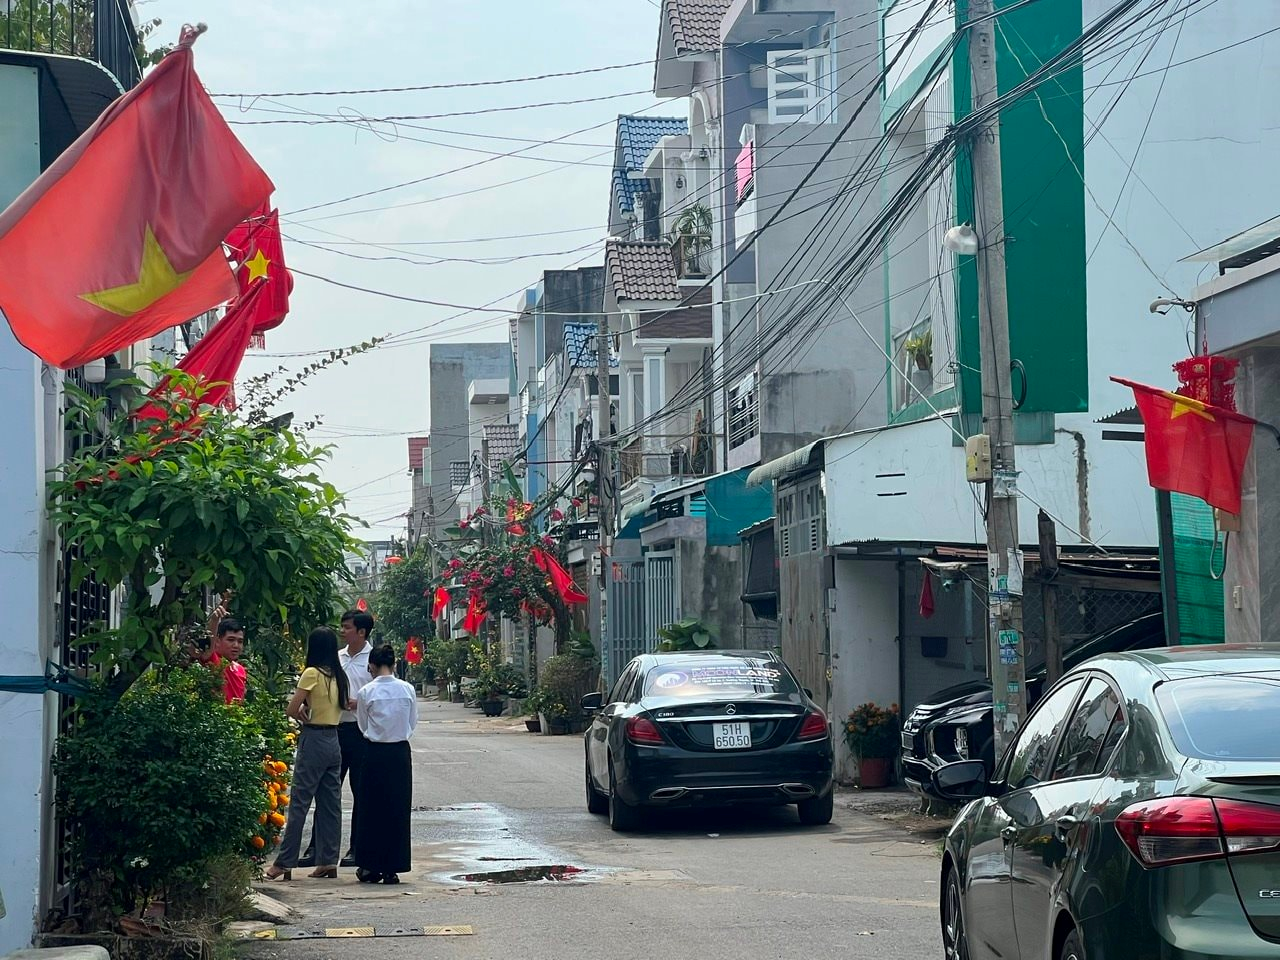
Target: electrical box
{"type": "Point", "coordinates": [977, 458]}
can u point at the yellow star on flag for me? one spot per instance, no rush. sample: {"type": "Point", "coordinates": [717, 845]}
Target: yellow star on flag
{"type": "Point", "coordinates": [156, 278]}
{"type": "Point", "coordinates": [1184, 405]}
{"type": "Point", "coordinates": [257, 265]}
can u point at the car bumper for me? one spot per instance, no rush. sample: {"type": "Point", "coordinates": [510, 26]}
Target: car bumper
{"type": "Point", "coordinates": [668, 777]}
{"type": "Point", "coordinates": [917, 775]}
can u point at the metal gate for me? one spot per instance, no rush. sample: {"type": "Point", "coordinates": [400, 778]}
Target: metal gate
{"type": "Point", "coordinates": [627, 636]}
{"type": "Point", "coordinates": [662, 593]}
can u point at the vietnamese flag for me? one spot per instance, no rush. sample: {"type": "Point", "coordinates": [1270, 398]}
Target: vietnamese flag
{"type": "Point", "coordinates": [121, 237]}
{"type": "Point", "coordinates": [475, 616]}
{"type": "Point", "coordinates": [413, 652]}
{"type": "Point", "coordinates": [256, 246]}
{"type": "Point", "coordinates": [563, 584]}
{"type": "Point", "coordinates": [1192, 447]}
{"type": "Point", "coordinates": [441, 601]}
{"type": "Point", "coordinates": [216, 358]}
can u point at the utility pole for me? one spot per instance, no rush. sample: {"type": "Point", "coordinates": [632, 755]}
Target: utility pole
{"type": "Point", "coordinates": [604, 512]}
{"type": "Point", "coordinates": [1049, 597]}
{"type": "Point", "coordinates": [1006, 644]}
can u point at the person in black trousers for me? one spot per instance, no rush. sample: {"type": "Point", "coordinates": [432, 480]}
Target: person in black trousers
{"type": "Point", "coordinates": [356, 626]}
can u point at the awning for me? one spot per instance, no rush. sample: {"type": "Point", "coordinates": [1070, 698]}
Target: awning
{"type": "Point", "coordinates": [639, 508]}
{"type": "Point", "coordinates": [807, 456]}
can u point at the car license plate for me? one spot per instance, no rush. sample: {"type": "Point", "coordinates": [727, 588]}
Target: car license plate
{"type": "Point", "coordinates": [732, 736]}
{"type": "Point", "coordinates": [908, 741]}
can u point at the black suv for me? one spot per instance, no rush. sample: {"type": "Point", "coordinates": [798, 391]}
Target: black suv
{"type": "Point", "coordinates": [956, 722]}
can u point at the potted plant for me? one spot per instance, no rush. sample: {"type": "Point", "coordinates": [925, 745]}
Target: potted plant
{"type": "Point", "coordinates": [690, 238]}
{"type": "Point", "coordinates": [494, 684]}
{"type": "Point", "coordinates": [872, 734]}
{"type": "Point", "coordinates": [687, 635]}
{"type": "Point", "coordinates": [920, 349]}
{"type": "Point", "coordinates": [562, 682]}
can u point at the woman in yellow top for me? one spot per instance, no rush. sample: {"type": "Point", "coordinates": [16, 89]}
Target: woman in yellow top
{"type": "Point", "coordinates": [318, 703]}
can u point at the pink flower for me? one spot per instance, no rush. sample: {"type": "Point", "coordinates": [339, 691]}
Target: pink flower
{"type": "Point", "coordinates": [548, 542]}
{"type": "Point", "coordinates": [508, 571]}
{"type": "Point", "coordinates": [464, 525]}
{"type": "Point", "coordinates": [557, 515]}
{"type": "Point", "coordinates": [577, 501]}
{"type": "Point", "coordinates": [455, 563]}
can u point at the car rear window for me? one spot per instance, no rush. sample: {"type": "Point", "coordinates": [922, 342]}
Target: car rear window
{"type": "Point", "coordinates": [1234, 717]}
{"type": "Point", "coordinates": [728, 677]}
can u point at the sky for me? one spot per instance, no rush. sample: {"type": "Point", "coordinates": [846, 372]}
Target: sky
{"type": "Point", "coordinates": [372, 405]}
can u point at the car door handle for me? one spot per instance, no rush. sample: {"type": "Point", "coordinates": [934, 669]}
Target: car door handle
{"type": "Point", "coordinates": [1064, 825]}
{"type": "Point", "coordinates": [1008, 833]}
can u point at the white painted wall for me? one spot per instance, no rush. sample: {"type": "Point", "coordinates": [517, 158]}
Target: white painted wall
{"type": "Point", "coordinates": [864, 645]}
{"type": "Point", "coordinates": [25, 556]}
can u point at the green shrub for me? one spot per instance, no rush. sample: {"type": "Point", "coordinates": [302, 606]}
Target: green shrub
{"type": "Point", "coordinates": [158, 787]}
{"type": "Point", "coordinates": [563, 681]}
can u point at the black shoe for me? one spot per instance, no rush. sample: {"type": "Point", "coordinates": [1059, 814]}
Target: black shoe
{"type": "Point", "coordinates": [308, 859]}
{"type": "Point", "coordinates": [368, 876]}
{"type": "Point", "coordinates": [348, 859]}
{"type": "Point", "coordinates": [390, 878]}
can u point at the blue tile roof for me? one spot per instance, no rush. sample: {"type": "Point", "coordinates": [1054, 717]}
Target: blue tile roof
{"type": "Point", "coordinates": [636, 138]}
{"type": "Point", "coordinates": [580, 348]}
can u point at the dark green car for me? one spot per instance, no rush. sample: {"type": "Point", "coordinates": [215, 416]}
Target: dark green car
{"type": "Point", "coordinates": [1136, 815]}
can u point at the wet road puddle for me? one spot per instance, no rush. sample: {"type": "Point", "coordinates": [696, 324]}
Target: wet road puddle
{"type": "Point", "coordinates": [557, 872]}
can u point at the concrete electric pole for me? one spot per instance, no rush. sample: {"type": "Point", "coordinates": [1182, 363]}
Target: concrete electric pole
{"type": "Point", "coordinates": [604, 512]}
{"type": "Point", "coordinates": [1006, 646]}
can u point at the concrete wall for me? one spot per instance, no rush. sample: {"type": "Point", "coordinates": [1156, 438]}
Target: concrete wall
{"type": "Point", "coordinates": [864, 644]}
{"type": "Point", "coordinates": [452, 367]}
{"type": "Point", "coordinates": [710, 587]}
{"type": "Point", "coordinates": [30, 435]}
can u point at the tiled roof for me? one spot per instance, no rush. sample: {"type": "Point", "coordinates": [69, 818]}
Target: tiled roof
{"type": "Point", "coordinates": [417, 445]}
{"type": "Point", "coordinates": [580, 346]}
{"type": "Point", "coordinates": [503, 440]}
{"type": "Point", "coordinates": [636, 138]}
{"type": "Point", "coordinates": [695, 24]}
{"type": "Point", "coordinates": [641, 270]}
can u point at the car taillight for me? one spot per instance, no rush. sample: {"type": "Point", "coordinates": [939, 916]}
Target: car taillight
{"type": "Point", "coordinates": [813, 727]}
{"type": "Point", "coordinates": [1181, 829]}
{"type": "Point", "coordinates": [643, 730]}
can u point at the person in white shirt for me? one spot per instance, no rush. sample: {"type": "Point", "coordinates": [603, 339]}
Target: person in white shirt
{"type": "Point", "coordinates": [387, 712]}
{"type": "Point", "coordinates": [354, 657]}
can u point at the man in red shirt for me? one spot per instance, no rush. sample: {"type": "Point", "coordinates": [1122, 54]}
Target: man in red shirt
{"type": "Point", "coordinates": [225, 652]}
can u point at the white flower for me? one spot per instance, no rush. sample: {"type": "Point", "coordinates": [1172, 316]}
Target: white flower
{"type": "Point", "coordinates": [139, 863]}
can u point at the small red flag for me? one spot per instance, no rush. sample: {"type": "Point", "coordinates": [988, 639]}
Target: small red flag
{"type": "Point", "coordinates": [121, 237]}
{"type": "Point", "coordinates": [216, 358]}
{"type": "Point", "coordinates": [926, 596]}
{"type": "Point", "coordinates": [256, 246]}
{"type": "Point", "coordinates": [475, 616]}
{"type": "Point", "coordinates": [441, 601]}
{"type": "Point", "coordinates": [413, 651]}
{"type": "Point", "coordinates": [1192, 447]}
{"type": "Point", "coordinates": [560, 579]}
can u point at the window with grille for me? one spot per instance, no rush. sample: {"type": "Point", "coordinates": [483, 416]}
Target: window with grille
{"type": "Point", "coordinates": [801, 519]}
{"type": "Point", "coordinates": [800, 88]}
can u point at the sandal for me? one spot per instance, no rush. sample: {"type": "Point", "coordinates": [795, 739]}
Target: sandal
{"type": "Point", "coordinates": [324, 873]}
{"type": "Point", "coordinates": [277, 872]}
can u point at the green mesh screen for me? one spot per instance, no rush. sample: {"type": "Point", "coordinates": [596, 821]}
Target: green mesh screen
{"type": "Point", "coordinates": [1196, 550]}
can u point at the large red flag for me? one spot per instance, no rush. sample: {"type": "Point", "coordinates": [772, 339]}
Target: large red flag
{"type": "Point", "coordinates": [216, 358]}
{"type": "Point", "coordinates": [476, 614]}
{"type": "Point", "coordinates": [121, 237]}
{"type": "Point", "coordinates": [441, 601]}
{"type": "Point", "coordinates": [1193, 447]}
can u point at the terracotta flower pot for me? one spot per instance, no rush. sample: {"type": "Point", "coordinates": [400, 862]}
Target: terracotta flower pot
{"type": "Point", "coordinates": [874, 772]}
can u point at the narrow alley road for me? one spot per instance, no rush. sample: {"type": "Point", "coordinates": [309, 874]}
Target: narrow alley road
{"type": "Point", "coordinates": [710, 885]}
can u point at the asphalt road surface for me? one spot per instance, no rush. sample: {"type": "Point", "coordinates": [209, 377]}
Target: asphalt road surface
{"type": "Point", "coordinates": [711, 885]}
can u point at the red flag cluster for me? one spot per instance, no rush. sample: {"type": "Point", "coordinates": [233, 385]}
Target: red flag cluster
{"type": "Point", "coordinates": [1193, 447]}
{"type": "Point", "coordinates": [561, 582]}
{"type": "Point", "coordinates": [87, 270]}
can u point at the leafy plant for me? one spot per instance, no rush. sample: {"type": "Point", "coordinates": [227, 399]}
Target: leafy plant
{"type": "Point", "coordinates": [687, 635]}
{"type": "Point", "coordinates": [872, 732]}
{"type": "Point", "coordinates": [196, 501]}
{"type": "Point", "coordinates": [693, 221]}
{"type": "Point", "coordinates": [158, 786]}
{"type": "Point", "coordinates": [563, 682]}
{"type": "Point", "coordinates": [920, 349]}
{"type": "Point", "coordinates": [405, 599]}
{"type": "Point", "coordinates": [580, 645]}
{"type": "Point", "coordinates": [449, 658]}
{"type": "Point", "coordinates": [496, 681]}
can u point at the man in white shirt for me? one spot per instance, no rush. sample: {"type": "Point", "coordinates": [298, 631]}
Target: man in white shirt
{"type": "Point", "coordinates": [356, 627]}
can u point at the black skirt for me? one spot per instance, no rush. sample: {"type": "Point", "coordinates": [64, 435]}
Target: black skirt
{"type": "Point", "coordinates": [386, 794]}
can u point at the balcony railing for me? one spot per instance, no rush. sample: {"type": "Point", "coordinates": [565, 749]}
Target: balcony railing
{"type": "Point", "coordinates": [100, 30]}
{"type": "Point", "coordinates": [637, 463]}
{"type": "Point", "coordinates": [692, 254]}
{"type": "Point", "coordinates": [744, 411]}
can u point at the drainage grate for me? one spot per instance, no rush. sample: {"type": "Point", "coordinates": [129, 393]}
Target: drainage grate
{"type": "Point", "coordinates": [338, 933]}
{"type": "Point", "coordinates": [556, 871]}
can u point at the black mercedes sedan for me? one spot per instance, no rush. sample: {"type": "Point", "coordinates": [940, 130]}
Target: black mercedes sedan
{"type": "Point", "coordinates": [707, 728]}
{"type": "Point", "coordinates": [955, 724]}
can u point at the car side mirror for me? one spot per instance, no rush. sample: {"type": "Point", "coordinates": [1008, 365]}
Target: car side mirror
{"type": "Point", "coordinates": [965, 780]}
{"type": "Point", "coordinates": [591, 702]}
